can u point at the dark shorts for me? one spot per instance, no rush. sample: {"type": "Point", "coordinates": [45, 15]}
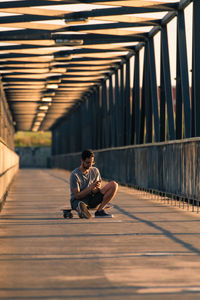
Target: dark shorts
{"type": "Point", "coordinates": [92, 200]}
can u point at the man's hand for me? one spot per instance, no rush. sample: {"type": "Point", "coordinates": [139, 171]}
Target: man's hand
{"type": "Point", "coordinates": [95, 186]}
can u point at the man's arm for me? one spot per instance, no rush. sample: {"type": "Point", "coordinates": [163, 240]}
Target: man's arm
{"type": "Point", "coordinates": [93, 187]}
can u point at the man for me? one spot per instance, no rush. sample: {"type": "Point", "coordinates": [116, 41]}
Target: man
{"type": "Point", "coordinates": [86, 190]}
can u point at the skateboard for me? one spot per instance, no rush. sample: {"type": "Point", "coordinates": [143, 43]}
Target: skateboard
{"type": "Point", "coordinates": [68, 214]}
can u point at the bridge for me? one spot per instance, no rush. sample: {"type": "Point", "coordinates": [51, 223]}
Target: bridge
{"type": "Point", "coordinates": [122, 78]}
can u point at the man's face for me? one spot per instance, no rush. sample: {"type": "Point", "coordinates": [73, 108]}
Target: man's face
{"type": "Point", "coordinates": [87, 163]}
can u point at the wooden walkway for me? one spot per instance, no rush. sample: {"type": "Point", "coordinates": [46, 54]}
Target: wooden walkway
{"type": "Point", "coordinates": [147, 251]}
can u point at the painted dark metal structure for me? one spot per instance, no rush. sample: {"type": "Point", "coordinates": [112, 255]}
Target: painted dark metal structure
{"type": "Point", "coordinates": [107, 92]}
{"type": "Point", "coordinates": [112, 115]}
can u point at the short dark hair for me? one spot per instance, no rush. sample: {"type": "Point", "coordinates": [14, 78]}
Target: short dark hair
{"type": "Point", "coordinates": [87, 154]}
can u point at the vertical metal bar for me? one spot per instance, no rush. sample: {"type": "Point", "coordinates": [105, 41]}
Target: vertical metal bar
{"type": "Point", "coordinates": [167, 82]}
{"type": "Point", "coordinates": [102, 117]}
{"type": "Point", "coordinates": [136, 102]}
{"type": "Point", "coordinates": [105, 115]}
{"type": "Point", "coordinates": [112, 115]}
{"type": "Point", "coordinates": [53, 144]}
{"type": "Point", "coordinates": [87, 121]}
{"type": "Point", "coordinates": [179, 100]}
{"type": "Point", "coordinates": [196, 67]}
{"type": "Point", "coordinates": [153, 83]}
{"type": "Point", "coordinates": [162, 102]}
{"type": "Point", "coordinates": [127, 105]}
{"type": "Point", "coordinates": [74, 132]}
{"type": "Point", "coordinates": [84, 126]}
{"type": "Point", "coordinates": [79, 128]}
{"type": "Point", "coordinates": [142, 118]}
{"type": "Point", "coordinates": [148, 99]}
{"type": "Point", "coordinates": [99, 118]}
{"type": "Point", "coordinates": [122, 104]}
{"type": "Point", "coordinates": [64, 137]}
{"type": "Point", "coordinates": [117, 110]}
{"type": "Point", "coordinates": [93, 120]}
{"type": "Point", "coordinates": [184, 72]}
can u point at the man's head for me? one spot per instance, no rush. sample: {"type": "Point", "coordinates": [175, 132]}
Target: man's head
{"type": "Point", "coordinates": [87, 159]}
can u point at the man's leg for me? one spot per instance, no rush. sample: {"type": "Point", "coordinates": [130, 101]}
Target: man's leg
{"type": "Point", "coordinates": [81, 207]}
{"type": "Point", "coordinates": [83, 211]}
{"type": "Point", "coordinates": [109, 191]}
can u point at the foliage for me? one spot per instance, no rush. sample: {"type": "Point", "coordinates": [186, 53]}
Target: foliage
{"type": "Point", "coordinates": [32, 139]}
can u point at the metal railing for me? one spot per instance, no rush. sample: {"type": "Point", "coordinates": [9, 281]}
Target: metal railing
{"type": "Point", "coordinates": [169, 170]}
{"type": "Point", "coordinates": [175, 200]}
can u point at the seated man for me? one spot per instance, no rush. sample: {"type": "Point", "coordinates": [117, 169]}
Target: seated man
{"type": "Point", "coordinates": [86, 191]}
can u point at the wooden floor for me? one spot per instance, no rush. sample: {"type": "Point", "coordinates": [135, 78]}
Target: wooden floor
{"type": "Point", "coordinates": [147, 251]}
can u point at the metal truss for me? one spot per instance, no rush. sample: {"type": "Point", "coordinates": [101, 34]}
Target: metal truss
{"type": "Point", "coordinates": [112, 114]}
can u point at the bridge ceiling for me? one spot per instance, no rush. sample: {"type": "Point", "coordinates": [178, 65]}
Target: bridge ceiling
{"type": "Point", "coordinates": [53, 52]}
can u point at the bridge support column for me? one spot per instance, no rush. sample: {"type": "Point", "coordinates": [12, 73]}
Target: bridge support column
{"type": "Point", "coordinates": [195, 70]}
{"type": "Point", "coordinates": [127, 122]}
{"type": "Point", "coordinates": [105, 115]}
{"type": "Point", "coordinates": [122, 105]}
{"type": "Point", "coordinates": [153, 90]}
{"type": "Point", "coordinates": [184, 72]}
{"type": "Point", "coordinates": [117, 110]}
{"type": "Point", "coordinates": [166, 89]}
{"type": "Point", "coordinates": [136, 102]}
{"type": "Point", "coordinates": [112, 114]}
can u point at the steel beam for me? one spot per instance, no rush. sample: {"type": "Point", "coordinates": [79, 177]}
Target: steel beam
{"type": "Point", "coordinates": [167, 82]}
{"type": "Point", "coordinates": [117, 109]}
{"type": "Point", "coordinates": [179, 100]}
{"type": "Point", "coordinates": [136, 102]}
{"type": "Point", "coordinates": [148, 96]}
{"type": "Point", "coordinates": [184, 72]}
{"type": "Point", "coordinates": [196, 68]}
{"type": "Point", "coordinates": [143, 102]}
{"type": "Point", "coordinates": [112, 114]}
{"type": "Point", "coordinates": [162, 100]}
{"type": "Point", "coordinates": [122, 104]}
{"type": "Point", "coordinates": [105, 115]}
{"type": "Point", "coordinates": [153, 87]}
{"type": "Point", "coordinates": [127, 104]}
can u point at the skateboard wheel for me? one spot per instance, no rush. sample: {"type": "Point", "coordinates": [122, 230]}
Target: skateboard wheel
{"type": "Point", "coordinates": [68, 215]}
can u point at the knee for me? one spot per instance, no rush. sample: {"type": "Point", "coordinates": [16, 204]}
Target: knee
{"type": "Point", "coordinates": [114, 185]}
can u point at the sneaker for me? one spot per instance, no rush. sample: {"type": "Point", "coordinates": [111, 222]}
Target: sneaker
{"type": "Point", "coordinates": [102, 214]}
{"type": "Point", "coordinates": [83, 211]}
